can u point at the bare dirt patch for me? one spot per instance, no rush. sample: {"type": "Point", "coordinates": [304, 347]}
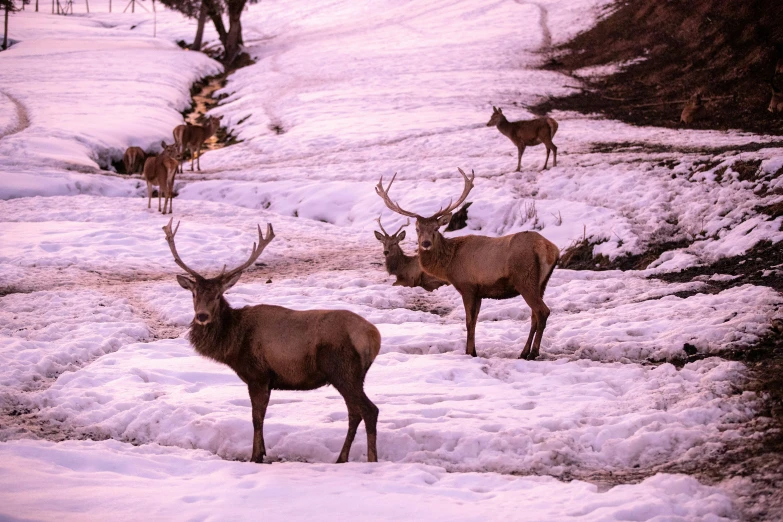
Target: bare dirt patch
{"type": "Point", "coordinates": [727, 50]}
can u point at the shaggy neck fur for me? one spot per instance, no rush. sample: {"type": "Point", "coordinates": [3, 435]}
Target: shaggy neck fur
{"type": "Point", "coordinates": [437, 259]}
{"type": "Point", "coordinates": [219, 339]}
{"type": "Point", "coordinates": [396, 260]}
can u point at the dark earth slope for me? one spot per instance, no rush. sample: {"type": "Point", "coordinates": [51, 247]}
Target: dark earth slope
{"type": "Point", "coordinates": [727, 49]}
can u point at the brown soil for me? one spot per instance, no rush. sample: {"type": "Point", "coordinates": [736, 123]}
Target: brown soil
{"type": "Point", "coordinates": [728, 50]}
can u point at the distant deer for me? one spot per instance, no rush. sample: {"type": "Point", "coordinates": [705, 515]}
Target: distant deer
{"type": "Point", "coordinates": [133, 159]}
{"type": "Point", "coordinates": [406, 268]}
{"type": "Point", "coordinates": [485, 267]}
{"type": "Point", "coordinates": [274, 348]}
{"type": "Point", "coordinates": [694, 110]}
{"type": "Point", "coordinates": [192, 137]}
{"type": "Point", "coordinates": [776, 103]}
{"type": "Point", "coordinates": [527, 133]}
{"type": "Point", "coordinates": [160, 170]}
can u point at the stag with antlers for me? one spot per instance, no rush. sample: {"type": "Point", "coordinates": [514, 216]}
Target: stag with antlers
{"type": "Point", "coordinates": [485, 267]}
{"type": "Point", "coordinates": [406, 268]}
{"type": "Point", "coordinates": [274, 348]}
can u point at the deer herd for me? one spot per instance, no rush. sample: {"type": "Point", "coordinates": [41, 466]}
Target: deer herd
{"type": "Point", "coordinates": [274, 348]}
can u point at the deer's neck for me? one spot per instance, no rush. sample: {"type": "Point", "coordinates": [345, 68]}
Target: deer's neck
{"type": "Point", "coordinates": [436, 260]}
{"type": "Point", "coordinates": [505, 127]}
{"type": "Point", "coordinates": [396, 260]}
{"type": "Point", "coordinates": [221, 338]}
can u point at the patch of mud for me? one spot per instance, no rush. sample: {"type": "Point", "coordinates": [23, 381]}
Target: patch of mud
{"type": "Point", "coordinates": [727, 50]}
{"type": "Point", "coordinates": [429, 304]}
{"type": "Point", "coordinates": [579, 256]}
{"type": "Point", "coordinates": [762, 265]}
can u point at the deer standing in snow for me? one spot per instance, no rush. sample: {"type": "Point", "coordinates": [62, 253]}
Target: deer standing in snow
{"type": "Point", "coordinates": [160, 171]}
{"type": "Point", "coordinates": [133, 160]}
{"type": "Point", "coordinates": [485, 267]}
{"type": "Point", "coordinates": [192, 137]}
{"type": "Point", "coordinates": [527, 133]}
{"type": "Point", "coordinates": [406, 268]}
{"type": "Point", "coordinates": [274, 348]}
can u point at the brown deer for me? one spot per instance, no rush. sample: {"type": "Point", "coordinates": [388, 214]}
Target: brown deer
{"type": "Point", "coordinates": [776, 103]}
{"type": "Point", "coordinates": [694, 110]}
{"type": "Point", "coordinates": [192, 137]}
{"type": "Point", "coordinates": [160, 170]}
{"type": "Point", "coordinates": [133, 159]}
{"type": "Point", "coordinates": [527, 133]}
{"type": "Point", "coordinates": [406, 268]}
{"type": "Point", "coordinates": [485, 267]}
{"type": "Point", "coordinates": [274, 348]}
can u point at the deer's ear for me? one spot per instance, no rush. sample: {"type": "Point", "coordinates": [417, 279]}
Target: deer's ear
{"type": "Point", "coordinates": [401, 236]}
{"type": "Point", "coordinates": [444, 219]}
{"type": "Point", "coordinates": [378, 236]}
{"type": "Point", "coordinates": [228, 283]}
{"type": "Point", "coordinates": [186, 283]}
{"type": "Point", "coordinates": [163, 144]}
{"type": "Point", "coordinates": [500, 111]}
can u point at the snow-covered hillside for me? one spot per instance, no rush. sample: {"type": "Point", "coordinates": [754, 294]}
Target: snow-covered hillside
{"type": "Point", "coordinates": [107, 413]}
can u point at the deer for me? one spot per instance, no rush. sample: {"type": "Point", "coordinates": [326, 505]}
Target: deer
{"type": "Point", "coordinates": [694, 110]}
{"type": "Point", "coordinates": [485, 267]}
{"type": "Point", "coordinates": [133, 160]}
{"type": "Point", "coordinates": [192, 137]}
{"type": "Point", "coordinates": [527, 133]}
{"type": "Point", "coordinates": [274, 348]}
{"type": "Point", "coordinates": [160, 170]}
{"type": "Point", "coordinates": [776, 103]}
{"type": "Point", "coordinates": [405, 268]}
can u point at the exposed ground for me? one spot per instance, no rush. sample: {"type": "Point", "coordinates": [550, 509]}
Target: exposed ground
{"type": "Point", "coordinates": [727, 50]}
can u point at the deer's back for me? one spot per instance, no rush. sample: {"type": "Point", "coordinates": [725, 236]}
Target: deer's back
{"type": "Point", "coordinates": [288, 340]}
{"type": "Point", "coordinates": [530, 132]}
{"type": "Point", "coordinates": [483, 260]}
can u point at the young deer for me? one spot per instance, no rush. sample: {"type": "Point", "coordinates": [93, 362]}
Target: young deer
{"type": "Point", "coordinates": [192, 137]}
{"type": "Point", "coordinates": [485, 267]}
{"type": "Point", "coordinates": [406, 268]}
{"type": "Point", "coordinates": [694, 110]}
{"type": "Point", "coordinates": [274, 348]}
{"type": "Point", "coordinates": [160, 170]}
{"type": "Point", "coordinates": [527, 133]}
{"type": "Point", "coordinates": [133, 159]}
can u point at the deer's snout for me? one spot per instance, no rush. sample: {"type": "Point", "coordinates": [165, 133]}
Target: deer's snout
{"type": "Point", "coordinates": [426, 244]}
{"type": "Point", "coordinates": [202, 318]}
{"type": "Point", "coordinates": [386, 252]}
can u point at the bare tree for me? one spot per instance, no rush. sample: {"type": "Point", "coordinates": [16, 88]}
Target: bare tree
{"type": "Point", "coordinates": [8, 7]}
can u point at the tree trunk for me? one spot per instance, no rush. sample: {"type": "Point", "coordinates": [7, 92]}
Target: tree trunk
{"type": "Point", "coordinates": [5, 31]}
{"type": "Point", "coordinates": [202, 19]}
{"type": "Point", "coordinates": [217, 20]}
{"type": "Point", "coordinates": [234, 40]}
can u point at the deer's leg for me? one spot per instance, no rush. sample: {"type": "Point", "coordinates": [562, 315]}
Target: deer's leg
{"type": "Point", "coordinates": [259, 400]}
{"type": "Point", "coordinates": [149, 195]}
{"type": "Point", "coordinates": [160, 191]}
{"type": "Point", "coordinates": [472, 304]}
{"type": "Point", "coordinates": [198, 160]}
{"type": "Point", "coordinates": [520, 151]}
{"type": "Point", "coordinates": [343, 369]}
{"type": "Point", "coordinates": [550, 146]}
{"type": "Point", "coordinates": [540, 314]}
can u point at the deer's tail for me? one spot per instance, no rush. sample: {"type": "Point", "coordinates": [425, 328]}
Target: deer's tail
{"type": "Point", "coordinates": [552, 127]}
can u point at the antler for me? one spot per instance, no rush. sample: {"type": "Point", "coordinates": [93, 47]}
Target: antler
{"type": "Point", "coordinates": [465, 191]}
{"type": "Point", "coordinates": [384, 194]}
{"type": "Point", "coordinates": [257, 249]}
{"type": "Point", "coordinates": [408, 222]}
{"type": "Point", "coordinates": [177, 259]}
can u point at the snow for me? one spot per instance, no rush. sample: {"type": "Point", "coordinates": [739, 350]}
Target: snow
{"type": "Point", "coordinates": [93, 324]}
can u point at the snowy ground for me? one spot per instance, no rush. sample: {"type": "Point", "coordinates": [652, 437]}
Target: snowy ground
{"type": "Point", "coordinates": [93, 323]}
